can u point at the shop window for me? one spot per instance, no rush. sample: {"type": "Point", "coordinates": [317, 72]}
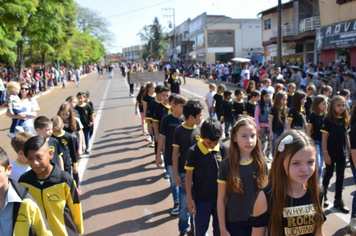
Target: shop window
{"type": "Point", "coordinates": [310, 47]}
{"type": "Point", "coordinates": [267, 24]}
{"type": "Point", "coordinates": [220, 39]}
{"type": "Point", "coordinates": [299, 48]}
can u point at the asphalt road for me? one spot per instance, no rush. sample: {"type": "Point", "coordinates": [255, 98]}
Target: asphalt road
{"type": "Point", "coordinates": [123, 192]}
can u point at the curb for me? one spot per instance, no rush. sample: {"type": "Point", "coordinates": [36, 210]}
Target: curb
{"type": "Point", "coordinates": [3, 110]}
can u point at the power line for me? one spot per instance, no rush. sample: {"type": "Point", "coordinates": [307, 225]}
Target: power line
{"type": "Point", "coordinates": [140, 9]}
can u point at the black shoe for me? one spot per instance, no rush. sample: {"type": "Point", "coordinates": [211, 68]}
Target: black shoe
{"type": "Point", "coordinates": [175, 210]}
{"type": "Point", "coordinates": [326, 202]}
{"type": "Point", "coordinates": [339, 204]}
{"type": "Point", "coordinates": [181, 234]}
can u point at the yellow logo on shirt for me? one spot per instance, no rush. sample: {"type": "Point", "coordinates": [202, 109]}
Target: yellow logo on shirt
{"type": "Point", "coordinates": [64, 142]}
{"type": "Point", "coordinates": [219, 158]}
{"type": "Point", "coordinates": [86, 112]}
{"type": "Point", "coordinates": [52, 148]}
{"type": "Point", "coordinates": [197, 137]}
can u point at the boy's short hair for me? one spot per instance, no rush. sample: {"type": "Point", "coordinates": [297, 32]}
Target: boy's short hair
{"type": "Point", "coordinates": [212, 85]}
{"type": "Point", "coordinates": [4, 158]}
{"type": "Point", "coordinates": [344, 92]}
{"type": "Point", "coordinates": [158, 89]}
{"type": "Point", "coordinates": [57, 122]}
{"type": "Point", "coordinates": [291, 85]}
{"type": "Point", "coordinates": [171, 97]}
{"type": "Point", "coordinates": [165, 89]}
{"type": "Point", "coordinates": [42, 122]}
{"type": "Point", "coordinates": [266, 80]}
{"type": "Point", "coordinates": [211, 129]}
{"type": "Point", "coordinates": [86, 93]}
{"type": "Point", "coordinates": [179, 99]}
{"type": "Point", "coordinates": [80, 94]}
{"type": "Point", "coordinates": [34, 143]}
{"type": "Point", "coordinates": [311, 87]}
{"type": "Point", "coordinates": [238, 92]}
{"type": "Point", "coordinates": [221, 86]}
{"type": "Point", "coordinates": [192, 108]}
{"type": "Point", "coordinates": [255, 93]}
{"type": "Point", "coordinates": [227, 93]}
{"type": "Point", "coordinates": [19, 140]}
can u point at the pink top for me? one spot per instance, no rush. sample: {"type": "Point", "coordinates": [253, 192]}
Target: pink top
{"type": "Point", "coordinates": [257, 114]}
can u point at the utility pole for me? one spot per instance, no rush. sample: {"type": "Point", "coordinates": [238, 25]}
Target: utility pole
{"type": "Point", "coordinates": [174, 27]}
{"type": "Point", "coordinates": [279, 34]}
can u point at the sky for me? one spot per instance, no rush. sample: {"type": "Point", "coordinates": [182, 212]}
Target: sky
{"type": "Point", "coordinates": [127, 18]}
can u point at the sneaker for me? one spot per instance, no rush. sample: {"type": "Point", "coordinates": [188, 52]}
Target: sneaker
{"type": "Point", "coordinates": [166, 176]}
{"type": "Point", "coordinates": [175, 210]}
{"type": "Point", "coordinates": [339, 204]}
{"type": "Point", "coordinates": [132, 95]}
{"type": "Point", "coordinates": [352, 225]}
{"type": "Point", "coordinates": [153, 144]}
{"type": "Point", "coordinates": [11, 135]}
{"type": "Point", "coordinates": [79, 191]}
{"type": "Point", "coordinates": [326, 202]}
{"type": "Point", "coordinates": [191, 231]}
{"type": "Point", "coordinates": [181, 234]}
{"type": "Point", "coordinates": [87, 152]}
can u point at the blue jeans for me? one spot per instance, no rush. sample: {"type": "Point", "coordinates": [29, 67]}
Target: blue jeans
{"type": "Point", "coordinates": [77, 79]}
{"type": "Point", "coordinates": [202, 218]}
{"type": "Point", "coordinates": [228, 121]}
{"type": "Point", "coordinates": [240, 228]}
{"type": "Point", "coordinates": [173, 186]}
{"type": "Point", "coordinates": [183, 223]}
{"type": "Point", "coordinates": [218, 116]}
{"type": "Point", "coordinates": [211, 114]}
{"type": "Point", "coordinates": [110, 74]}
{"type": "Point", "coordinates": [274, 142]}
{"type": "Point", "coordinates": [86, 138]}
{"type": "Point", "coordinates": [353, 209]}
{"type": "Point", "coordinates": [30, 129]}
{"type": "Point", "coordinates": [319, 158]}
{"type": "Point", "coordinates": [15, 122]}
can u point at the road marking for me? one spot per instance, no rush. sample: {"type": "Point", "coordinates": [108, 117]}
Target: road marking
{"type": "Point", "coordinates": [84, 161]}
{"type": "Point", "coordinates": [194, 94]}
{"type": "Point", "coordinates": [342, 216]}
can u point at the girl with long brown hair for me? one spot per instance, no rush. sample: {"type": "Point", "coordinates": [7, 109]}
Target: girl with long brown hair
{"type": "Point", "coordinates": [241, 176]}
{"type": "Point", "coordinates": [291, 203]}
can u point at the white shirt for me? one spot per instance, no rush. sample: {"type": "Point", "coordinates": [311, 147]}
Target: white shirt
{"type": "Point", "coordinates": [270, 89]}
{"type": "Point", "coordinates": [29, 106]}
{"type": "Point", "coordinates": [18, 169]}
{"type": "Point", "coordinates": [209, 98]}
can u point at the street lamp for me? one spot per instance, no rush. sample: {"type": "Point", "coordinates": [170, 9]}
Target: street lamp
{"type": "Point", "coordinates": [174, 27]}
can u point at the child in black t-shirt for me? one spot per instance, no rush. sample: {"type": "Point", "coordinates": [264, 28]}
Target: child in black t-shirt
{"type": "Point", "coordinates": [296, 114]}
{"type": "Point", "coordinates": [166, 134]}
{"type": "Point", "coordinates": [335, 145]}
{"type": "Point", "coordinates": [227, 115]}
{"type": "Point", "coordinates": [139, 105]}
{"type": "Point", "coordinates": [238, 105]}
{"type": "Point", "coordinates": [148, 97]}
{"type": "Point", "coordinates": [218, 98]}
{"type": "Point", "coordinates": [185, 136]}
{"type": "Point", "coordinates": [308, 104]}
{"type": "Point", "coordinates": [251, 104]}
{"type": "Point", "coordinates": [203, 161]}
{"type": "Point", "coordinates": [315, 122]}
{"type": "Point", "coordinates": [250, 87]}
{"type": "Point", "coordinates": [290, 89]}
{"type": "Point", "coordinates": [277, 118]}
{"type": "Point", "coordinates": [150, 113]}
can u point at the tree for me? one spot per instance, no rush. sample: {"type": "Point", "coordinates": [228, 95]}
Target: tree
{"type": "Point", "coordinates": [152, 37]}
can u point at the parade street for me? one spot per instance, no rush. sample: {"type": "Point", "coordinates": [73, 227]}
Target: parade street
{"type": "Point", "coordinates": [123, 192]}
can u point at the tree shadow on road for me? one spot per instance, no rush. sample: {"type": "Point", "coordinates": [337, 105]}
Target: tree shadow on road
{"type": "Point", "coordinates": [134, 226]}
{"type": "Point", "coordinates": [118, 151]}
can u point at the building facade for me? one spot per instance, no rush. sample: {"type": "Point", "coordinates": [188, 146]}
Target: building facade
{"type": "Point", "coordinates": [132, 53]}
{"type": "Point", "coordinates": [300, 19]}
{"type": "Point", "coordinates": [181, 47]}
{"type": "Point", "coordinates": [336, 39]}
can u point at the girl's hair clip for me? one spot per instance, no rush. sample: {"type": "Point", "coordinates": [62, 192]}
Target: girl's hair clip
{"type": "Point", "coordinates": [286, 140]}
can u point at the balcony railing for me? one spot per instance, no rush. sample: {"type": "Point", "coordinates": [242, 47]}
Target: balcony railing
{"type": "Point", "coordinates": [286, 30]}
{"type": "Point", "coordinates": [308, 24]}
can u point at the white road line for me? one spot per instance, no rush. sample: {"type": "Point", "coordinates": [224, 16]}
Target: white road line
{"type": "Point", "coordinates": [342, 216]}
{"type": "Point", "coordinates": [84, 161]}
{"type": "Point", "coordinates": [194, 94]}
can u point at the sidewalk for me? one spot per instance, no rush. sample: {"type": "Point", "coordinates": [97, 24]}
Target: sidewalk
{"type": "Point", "coordinates": [42, 93]}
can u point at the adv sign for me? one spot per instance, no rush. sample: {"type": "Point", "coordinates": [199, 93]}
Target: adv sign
{"type": "Point", "coordinates": [138, 77]}
{"type": "Point", "coordinates": [340, 35]}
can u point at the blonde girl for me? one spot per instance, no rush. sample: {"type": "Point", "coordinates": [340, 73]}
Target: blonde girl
{"type": "Point", "coordinates": [292, 184]}
{"type": "Point", "coordinates": [277, 118]}
{"type": "Point", "coordinates": [241, 176]}
{"type": "Point", "coordinates": [315, 122]}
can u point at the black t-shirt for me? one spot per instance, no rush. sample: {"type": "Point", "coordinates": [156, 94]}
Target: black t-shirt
{"type": "Point", "coordinates": [68, 129]}
{"type": "Point", "coordinates": [352, 135]}
{"type": "Point", "coordinates": [277, 126]}
{"type": "Point", "coordinates": [289, 99]}
{"type": "Point", "coordinates": [140, 103]}
{"type": "Point", "coordinates": [149, 98]}
{"type": "Point", "coordinates": [168, 125]}
{"type": "Point", "coordinates": [218, 102]}
{"type": "Point", "coordinates": [175, 84]}
{"type": "Point", "coordinates": [85, 112]}
{"type": "Point", "coordinates": [227, 108]}
{"type": "Point", "coordinates": [337, 138]}
{"type": "Point", "coordinates": [161, 111]}
{"type": "Point", "coordinates": [298, 217]}
{"type": "Point", "coordinates": [250, 108]}
{"type": "Point", "coordinates": [316, 122]}
{"type": "Point", "coordinates": [238, 108]}
{"type": "Point", "coordinates": [205, 164]}
{"type": "Point", "coordinates": [151, 109]}
{"type": "Point", "coordinates": [69, 152]}
{"type": "Point", "coordinates": [308, 105]}
{"type": "Point", "coordinates": [296, 118]}
{"type": "Point", "coordinates": [56, 149]}
{"type": "Point", "coordinates": [91, 104]}
{"type": "Point", "coordinates": [184, 138]}
{"type": "Point", "coordinates": [248, 91]}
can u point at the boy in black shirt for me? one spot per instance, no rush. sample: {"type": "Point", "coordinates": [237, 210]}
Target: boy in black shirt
{"type": "Point", "coordinates": [166, 133]}
{"type": "Point", "coordinates": [250, 105]}
{"type": "Point", "coordinates": [150, 112]}
{"type": "Point", "coordinates": [203, 161]}
{"type": "Point", "coordinates": [185, 136]}
{"type": "Point", "coordinates": [174, 82]}
{"type": "Point", "coordinates": [238, 106]}
{"type": "Point", "coordinates": [160, 111]}
{"type": "Point", "coordinates": [90, 103]}
{"type": "Point", "coordinates": [227, 115]}
{"type": "Point", "coordinates": [86, 116]}
{"type": "Point", "coordinates": [44, 127]}
{"type": "Point", "coordinates": [217, 103]}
